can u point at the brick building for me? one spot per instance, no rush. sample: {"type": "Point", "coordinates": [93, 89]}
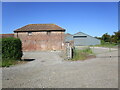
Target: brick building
{"type": "Point", "coordinates": [36, 37]}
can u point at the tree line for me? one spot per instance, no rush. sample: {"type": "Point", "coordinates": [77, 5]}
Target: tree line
{"type": "Point", "coordinates": [115, 38]}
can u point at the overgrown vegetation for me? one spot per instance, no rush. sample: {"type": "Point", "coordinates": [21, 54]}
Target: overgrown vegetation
{"type": "Point", "coordinates": [11, 51]}
{"type": "Point", "coordinates": [81, 54]}
{"type": "Point", "coordinates": [110, 40]}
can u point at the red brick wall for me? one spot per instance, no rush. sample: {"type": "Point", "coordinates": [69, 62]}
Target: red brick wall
{"type": "Point", "coordinates": [41, 40]}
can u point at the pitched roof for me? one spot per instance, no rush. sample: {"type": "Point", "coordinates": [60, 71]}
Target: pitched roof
{"type": "Point", "coordinates": [68, 34]}
{"type": "Point", "coordinates": [80, 34]}
{"type": "Point", "coordinates": [39, 27]}
{"type": "Point", "coordinates": [83, 34]}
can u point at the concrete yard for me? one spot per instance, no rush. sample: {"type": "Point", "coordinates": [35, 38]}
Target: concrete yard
{"type": "Point", "coordinates": [49, 70]}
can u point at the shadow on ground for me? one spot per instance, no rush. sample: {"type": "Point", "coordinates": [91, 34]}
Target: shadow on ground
{"type": "Point", "coordinates": [28, 59]}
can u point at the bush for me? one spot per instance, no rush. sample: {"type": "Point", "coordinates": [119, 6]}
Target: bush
{"type": "Point", "coordinates": [11, 48]}
{"type": "Point", "coordinates": [0, 49]}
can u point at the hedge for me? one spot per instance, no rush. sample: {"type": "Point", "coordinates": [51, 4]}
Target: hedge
{"type": "Point", "coordinates": [11, 48]}
{"type": "Point", "coordinates": [0, 49]}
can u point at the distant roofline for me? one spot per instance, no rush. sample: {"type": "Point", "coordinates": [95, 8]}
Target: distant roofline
{"type": "Point", "coordinates": [7, 34]}
{"type": "Point", "coordinates": [85, 34]}
{"type": "Point", "coordinates": [68, 34]}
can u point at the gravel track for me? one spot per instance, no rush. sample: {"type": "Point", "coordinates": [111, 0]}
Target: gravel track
{"type": "Point", "coordinates": [49, 70]}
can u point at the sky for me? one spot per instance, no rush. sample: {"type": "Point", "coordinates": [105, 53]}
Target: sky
{"type": "Point", "coordinates": [93, 18]}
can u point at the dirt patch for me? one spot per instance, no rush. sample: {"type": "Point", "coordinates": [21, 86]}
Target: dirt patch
{"type": "Point", "coordinates": [90, 57]}
{"type": "Point", "coordinates": [21, 62]}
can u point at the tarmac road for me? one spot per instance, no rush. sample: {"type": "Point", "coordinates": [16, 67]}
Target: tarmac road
{"type": "Point", "coordinates": [49, 70]}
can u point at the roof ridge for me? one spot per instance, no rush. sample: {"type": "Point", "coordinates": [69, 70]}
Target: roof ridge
{"type": "Point", "coordinates": [43, 24]}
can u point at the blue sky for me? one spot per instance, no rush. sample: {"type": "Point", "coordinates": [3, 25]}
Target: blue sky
{"type": "Point", "coordinates": [93, 18]}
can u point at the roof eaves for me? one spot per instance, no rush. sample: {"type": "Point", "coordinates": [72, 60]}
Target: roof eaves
{"type": "Point", "coordinates": [36, 30]}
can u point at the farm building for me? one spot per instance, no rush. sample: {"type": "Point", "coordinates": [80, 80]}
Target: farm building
{"type": "Point", "coordinates": [37, 37]}
{"type": "Point", "coordinates": [69, 39]}
{"type": "Point", "coordinates": [6, 35]}
{"type": "Point", "coordinates": [82, 39]}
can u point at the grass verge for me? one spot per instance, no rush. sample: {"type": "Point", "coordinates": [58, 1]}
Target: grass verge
{"type": "Point", "coordinates": [9, 62]}
{"type": "Point", "coordinates": [106, 44]}
{"type": "Point", "coordinates": [82, 54]}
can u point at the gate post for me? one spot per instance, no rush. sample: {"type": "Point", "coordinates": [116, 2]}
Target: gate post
{"type": "Point", "coordinates": [69, 51]}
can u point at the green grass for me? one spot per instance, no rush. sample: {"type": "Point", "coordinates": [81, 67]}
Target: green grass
{"type": "Point", "coordinates": [7, 62]}
{"type": "Point", "coordinates": [87, 50]}
{"type": "Point", "coordinates": [81, 54]}
{"type": "Point", "coordinates": [106, 44]}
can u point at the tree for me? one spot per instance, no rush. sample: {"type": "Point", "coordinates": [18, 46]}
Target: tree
{"type": "Point", "coordinates": [117, 37]}
{"type": "Point", "coordinates": [113, 39]}
{"type": "Point", "coordinates": [106, 37]}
